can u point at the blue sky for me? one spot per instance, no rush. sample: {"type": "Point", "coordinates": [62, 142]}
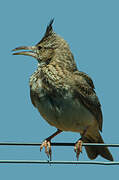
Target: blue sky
{"type": "Point", "coordinates": [91, 28]}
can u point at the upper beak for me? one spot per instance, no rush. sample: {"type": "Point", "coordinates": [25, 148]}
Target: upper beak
{"type": "Point", "coordinates": [31, 51]}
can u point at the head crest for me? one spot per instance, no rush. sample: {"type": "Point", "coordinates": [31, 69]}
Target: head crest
{"type": "Point", "coordinates": [49, 29]}
{"type": "Point", "coordinates": [49, 32]}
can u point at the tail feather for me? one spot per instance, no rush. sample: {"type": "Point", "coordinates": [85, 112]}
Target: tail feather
{"type": "Point", "coordinates": [94, 151]}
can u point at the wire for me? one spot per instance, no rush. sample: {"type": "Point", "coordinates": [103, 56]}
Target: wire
{"type": "Point", "coordinates": [56, 162]}
{"type": "Point", "coordinates": [54, 144]}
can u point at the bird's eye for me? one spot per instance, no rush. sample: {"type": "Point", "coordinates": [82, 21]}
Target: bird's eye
{"type": "Point", "coordinates": [39, 47]}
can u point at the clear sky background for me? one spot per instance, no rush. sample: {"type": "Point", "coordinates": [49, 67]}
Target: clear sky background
{"type": "Point", "coordinates": [91, 27]}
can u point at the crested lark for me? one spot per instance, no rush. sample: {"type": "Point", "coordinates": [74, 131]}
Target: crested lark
{"type": "Point", "coordinates": [64, 96]}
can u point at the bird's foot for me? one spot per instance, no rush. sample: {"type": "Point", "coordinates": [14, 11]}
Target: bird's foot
{"type": "Point", "coordinates": [78, 148]}
{"type": "Point", "coordinates": [47, 145]}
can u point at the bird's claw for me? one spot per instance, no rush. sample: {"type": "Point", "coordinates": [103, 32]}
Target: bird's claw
{"type": "Point", "coordinates": [47, 145]}
{"type": "Point", "coordinates": [78, 148]}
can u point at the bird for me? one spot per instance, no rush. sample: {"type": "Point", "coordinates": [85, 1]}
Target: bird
{"type": "Point", "coordinates": [64, 96]}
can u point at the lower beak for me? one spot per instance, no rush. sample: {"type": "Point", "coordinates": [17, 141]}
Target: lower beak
{"type": "Point", "coordinates": [31, 51]}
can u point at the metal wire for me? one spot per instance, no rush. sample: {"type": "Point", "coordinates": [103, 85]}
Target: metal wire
{"type": "Point", "coordinates": [56, 162]}
{"type": "Point", "coordinates": [54, 144]}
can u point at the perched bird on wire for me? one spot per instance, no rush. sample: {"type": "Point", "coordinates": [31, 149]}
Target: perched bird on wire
{"type": "Point", "coordinates": [64, 96]}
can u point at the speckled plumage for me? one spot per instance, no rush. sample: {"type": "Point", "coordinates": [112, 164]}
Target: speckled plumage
{"type": "Point", "coordinates": [64, 96]}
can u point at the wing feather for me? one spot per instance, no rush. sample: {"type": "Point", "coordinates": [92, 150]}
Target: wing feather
{"type": "Point", "coordinates": [84, 89]}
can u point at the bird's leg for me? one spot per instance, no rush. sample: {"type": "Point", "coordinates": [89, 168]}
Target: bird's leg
{"type": "Point", "coordinates": [47, 144]}
{"type": "Point", "coordinates": [78, 145]}
{"type": "Point", "coordinates": [78, 148]}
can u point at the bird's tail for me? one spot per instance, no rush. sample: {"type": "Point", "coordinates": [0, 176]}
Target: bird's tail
{"type": "Point", "coordinates": [94, 151]}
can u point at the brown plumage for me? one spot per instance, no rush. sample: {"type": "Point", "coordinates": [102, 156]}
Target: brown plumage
{"type": "Point", "coordinates": [64, 96]}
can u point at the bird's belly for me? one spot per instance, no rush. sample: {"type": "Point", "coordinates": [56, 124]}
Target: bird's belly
{"type": "Point", "coordinates": [65, 114]}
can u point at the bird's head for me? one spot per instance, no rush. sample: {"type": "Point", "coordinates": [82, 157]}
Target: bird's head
{"type": "Point", "coordinates": [46, 48]}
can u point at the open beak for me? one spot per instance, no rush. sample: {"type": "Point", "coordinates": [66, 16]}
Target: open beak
{"type": "Point", "coordinates": [30, 51]}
